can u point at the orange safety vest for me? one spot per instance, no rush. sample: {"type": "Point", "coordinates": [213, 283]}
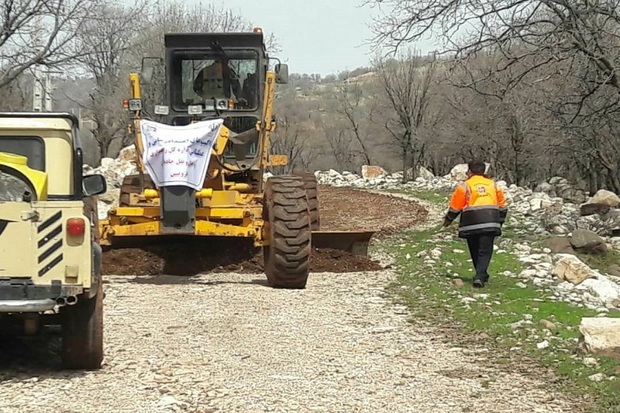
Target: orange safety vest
{"type": "Point", "coordinates": [481, 205]}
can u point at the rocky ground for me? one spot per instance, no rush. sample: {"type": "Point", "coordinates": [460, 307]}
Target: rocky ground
{"type": "Point", "coordinates": [570, 222]}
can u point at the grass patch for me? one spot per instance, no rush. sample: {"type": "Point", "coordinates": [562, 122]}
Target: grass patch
{"type": "Point", "coordinates": [512, 316]}
{"type": "Point", "coordinates": [601, 262]}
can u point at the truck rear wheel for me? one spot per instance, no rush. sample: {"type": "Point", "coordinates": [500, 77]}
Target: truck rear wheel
{"type": "Point", "coordinates": [285, 209]}
{"type": "Point", "coordinates": [82, 333]}
{"type": "Point", "coordinates": [312, 191]}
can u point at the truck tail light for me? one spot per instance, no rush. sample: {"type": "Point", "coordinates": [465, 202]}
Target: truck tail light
{"type": "Point", "coordinates": [76, 226]}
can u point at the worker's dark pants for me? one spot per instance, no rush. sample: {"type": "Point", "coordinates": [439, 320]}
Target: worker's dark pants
{"type": "Point", "coordinates": [481, 250]}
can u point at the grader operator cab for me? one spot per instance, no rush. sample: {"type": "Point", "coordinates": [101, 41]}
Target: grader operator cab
{"type": "Point", "coordinates": [202, 164]}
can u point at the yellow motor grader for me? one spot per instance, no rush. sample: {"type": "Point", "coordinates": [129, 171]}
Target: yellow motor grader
{"type": "Point", "coordinates": [222, 83]}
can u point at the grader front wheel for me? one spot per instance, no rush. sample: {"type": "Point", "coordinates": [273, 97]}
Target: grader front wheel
{"type": "Point", "coordinates": [287, 257]}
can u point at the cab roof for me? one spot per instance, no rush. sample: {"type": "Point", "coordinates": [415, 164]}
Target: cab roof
{"type": "Point", "coordinates": [204, 40]}
{"type": "Point", "coordinates": [38, 120]}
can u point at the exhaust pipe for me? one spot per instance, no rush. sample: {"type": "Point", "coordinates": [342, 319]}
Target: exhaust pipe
{"type": "Point", "coordinates": [71, 300]}
{"type": "Point", "coordinates": [61, 301]}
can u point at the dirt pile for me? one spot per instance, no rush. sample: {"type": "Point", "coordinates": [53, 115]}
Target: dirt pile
{"type": "Point", "coordinates": [341, 209]}
{"type": "Point", "coordinates": [192, 258]}
{"type": "Point", "coordinates": [185, 256]}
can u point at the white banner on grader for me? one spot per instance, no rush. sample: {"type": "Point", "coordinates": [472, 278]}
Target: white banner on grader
{"type": "Point", "coordinates": [179, 155]}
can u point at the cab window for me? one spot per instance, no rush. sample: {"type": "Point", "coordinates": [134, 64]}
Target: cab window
{"type": "Point", "coordinates": [32, 147]}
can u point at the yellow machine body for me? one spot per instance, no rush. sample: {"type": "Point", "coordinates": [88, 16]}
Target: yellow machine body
{"type": "Point", "coordinates": [225, 207]}
{"type": "Point", "coordinates": [280, 214]}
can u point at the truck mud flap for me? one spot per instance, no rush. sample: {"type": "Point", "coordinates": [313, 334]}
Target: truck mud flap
{"type": "Point", "coordinates": [355, 242]}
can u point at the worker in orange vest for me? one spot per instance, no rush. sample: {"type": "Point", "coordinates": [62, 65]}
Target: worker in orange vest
{"type": "Point", "coordinates": [482, 206]}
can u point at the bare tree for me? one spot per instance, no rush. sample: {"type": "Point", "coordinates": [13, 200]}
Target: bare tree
{"type": "Point", "coordinates": [356, 114]}
{"type": "Point", "coordinates": [527, 46]}
{"type": "Point", "coordinates": [291, 140]}
{"type": "Point", "coordinates": [339, 142]}
{"type": "Point", "coordinates": [109, 35]}
{"type": "Point", "coordinates": [406, 84]}
{"type": "Point", "coordinates": [348, 109]}
{"type": "Point", "coordinates": [177, 16]}
{"type": "Point", "coordinates": [17, 95]}
{"type": "Point", "coordinates": [40, 32]}
{"type": "Point", "coordinates": [542, 32]}
{"type": "Point", "coordinates": [496, 120]}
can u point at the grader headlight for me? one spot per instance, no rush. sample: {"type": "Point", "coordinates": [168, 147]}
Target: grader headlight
{"type": "Point", "coordinates": [162, 110]}
{"type": "Point", "coordinates": [194, 110]}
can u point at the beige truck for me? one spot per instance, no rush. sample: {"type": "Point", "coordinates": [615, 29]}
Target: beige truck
{"type": "Point", "coordinates": [50, 259]}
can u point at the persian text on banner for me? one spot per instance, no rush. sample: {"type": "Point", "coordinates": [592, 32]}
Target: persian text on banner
{"type": "Point", "coordinates": [179, 155]}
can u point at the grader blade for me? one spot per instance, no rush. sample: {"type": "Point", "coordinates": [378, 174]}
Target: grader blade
{"type": "Point", "coordinates": [355, 242]}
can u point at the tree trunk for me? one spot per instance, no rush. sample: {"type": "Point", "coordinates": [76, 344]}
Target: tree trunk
{"type": "Point", "coordinates": [614, 182]}
{"type": "Point", "coordinates": [517, 176]}
{"type": "Point", "coordinates": [405, 158]}
{"type": "Point", "coordinates": [592, 181]}
{"type": "Point", "coordinates": [103, 148]}
{"type": "Point", "coordinates": [414, 165]}
{"type": "Point", "coordinates": [417, 156]}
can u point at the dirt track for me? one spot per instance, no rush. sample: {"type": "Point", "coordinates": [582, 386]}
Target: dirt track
{"type": "Point", "coordinates": [341, 209]}
{"type": "Point", "coordinates": [344, 209]}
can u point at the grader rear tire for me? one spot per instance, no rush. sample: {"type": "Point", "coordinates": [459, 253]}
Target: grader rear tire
{"type": "Point", "coordinates": [312, 191]}
{"type": "Point", "coordinates": [285, 209]}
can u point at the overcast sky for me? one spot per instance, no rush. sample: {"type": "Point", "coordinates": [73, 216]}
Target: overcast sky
{"type": "Point", "coordinates": [316, 36]}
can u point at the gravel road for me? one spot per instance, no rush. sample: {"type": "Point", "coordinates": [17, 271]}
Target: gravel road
{"type": "Point", "coordinates": [228, 343]}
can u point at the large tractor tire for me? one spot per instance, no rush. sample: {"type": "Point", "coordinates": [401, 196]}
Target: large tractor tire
{"type": "Point", "coordinates": [131, 185]}
{"type": "Point", "coordinates": [312, 192]}
{"type": "Point", "coordinates": [285, 209]}
{"type": "Point", "coordinates": [82, 333]}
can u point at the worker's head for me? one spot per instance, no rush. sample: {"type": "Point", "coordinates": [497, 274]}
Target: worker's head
{"type": "Point", "coordinates": [476, 167]}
